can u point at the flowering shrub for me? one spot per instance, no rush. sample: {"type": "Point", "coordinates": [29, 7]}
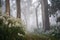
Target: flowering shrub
{"type": "Point", "coordinates": [11, 28]}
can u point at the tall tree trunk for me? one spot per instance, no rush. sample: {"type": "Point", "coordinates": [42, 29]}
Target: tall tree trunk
{"type": "Point", "coordinates": [0, 7]}
{"type": "Point", "coordinates": [0, 3]}
{"type": "Point", "coordinates": [45, 17]}
{"type": "Point", "coordinates": [37, 15]}
{"type": "Point", "coordinates": [7, 7]}
{"type": "Point", "coordinates": [18, 8]}
{"type": "Point", "coordinates": [37, 19]}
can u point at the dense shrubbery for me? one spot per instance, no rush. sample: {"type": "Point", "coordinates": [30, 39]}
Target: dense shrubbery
{"type": "Point", "coordinates": [11, 28]}
{"type": "Point", "coordinates": [54, 33]}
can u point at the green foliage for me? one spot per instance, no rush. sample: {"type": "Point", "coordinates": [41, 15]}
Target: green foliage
{"type": "Point", "coordinates": [54, 33]}
{"type": "Point", "coordinates": [54, 6]}
{"type": "Point", "coordinates": [36, 37]}
{"type": "Point", "coordinates": [11, 28]}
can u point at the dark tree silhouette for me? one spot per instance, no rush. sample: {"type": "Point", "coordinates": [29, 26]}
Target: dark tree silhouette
{"type": "Point", "coordinates": [45, 17]}
{"type": "Point", "coordinates": [18, 8]}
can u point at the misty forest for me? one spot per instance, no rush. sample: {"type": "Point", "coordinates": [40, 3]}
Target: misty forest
{"type": "Point", "coordinates": [29, 19]}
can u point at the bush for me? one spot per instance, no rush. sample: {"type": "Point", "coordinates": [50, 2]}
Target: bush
{"type": "Point", "coordinates": [11, 28]}
{"type": "Point", "coordinates": [54, 33]}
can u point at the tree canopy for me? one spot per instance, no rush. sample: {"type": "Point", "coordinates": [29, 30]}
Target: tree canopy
{"type": "Point", "coordinates": [54, 6]}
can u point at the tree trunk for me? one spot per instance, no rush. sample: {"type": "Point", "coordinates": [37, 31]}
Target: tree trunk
{"type": "Point", "coordinates": [0, 7]}
{"type": "Point", "coordinates": [7, 7]}
{"type": "Point", "coordinates": [45, 17]}
{"type": "Point", "coordinates": [37, 19]}
{"type": "Point", "coordinates": [37, 15]}
{"type": "Point", "coordinates": [0, 3]}
{"type": "Point", "coordinates": [18, 8]}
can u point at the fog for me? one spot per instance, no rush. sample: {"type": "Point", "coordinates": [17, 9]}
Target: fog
{"type": "Point", "coordinates": [28, 13]}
